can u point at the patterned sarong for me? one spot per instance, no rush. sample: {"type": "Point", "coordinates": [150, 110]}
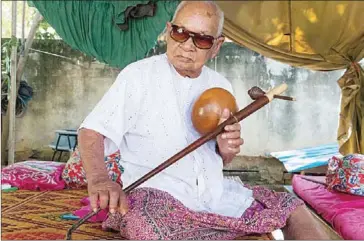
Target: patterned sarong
{"type": "Point", "coordinates": [154, 214]}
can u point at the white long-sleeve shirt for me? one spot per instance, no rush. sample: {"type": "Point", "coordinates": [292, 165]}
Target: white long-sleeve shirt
{"type": "Point", "coordinates": [146, 114]}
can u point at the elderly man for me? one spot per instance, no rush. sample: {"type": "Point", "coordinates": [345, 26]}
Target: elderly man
{"type": "Point", "coordinates": [145, 119]}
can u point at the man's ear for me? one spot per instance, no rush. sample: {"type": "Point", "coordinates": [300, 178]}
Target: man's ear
{"type": "Point", "coordinates": [166, 30]}
{"type": "Point", "coordinates": [168, 26]}
{"type": "Point", "coordinates": [218, 44]}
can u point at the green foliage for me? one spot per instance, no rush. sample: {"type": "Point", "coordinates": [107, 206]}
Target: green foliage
{"type": "Point", "coordinates": [6, 49]}
{"type": "Point", "coordinates": [45, 31]}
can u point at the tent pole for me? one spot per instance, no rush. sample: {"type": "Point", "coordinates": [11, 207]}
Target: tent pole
{"type": "Point", "coordinates": [23, 23]}
{"type": "Point", "coordinates": [12, 99]}
{"type": "Point", "coordinates": [28, 43]}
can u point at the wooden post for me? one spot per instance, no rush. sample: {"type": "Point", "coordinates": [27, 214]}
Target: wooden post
{"type": "Point", "coordinates": [4, 119]}
{"type": "Point", "coordinates": [28, 43]}
{"type": "Point", "coordinates": [23, 23]}
{"type": "Point", "coordinates": [12, 91]}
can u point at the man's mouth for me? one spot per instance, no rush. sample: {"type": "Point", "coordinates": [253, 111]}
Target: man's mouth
{"type": "Point", "coordinates": [184, 59]}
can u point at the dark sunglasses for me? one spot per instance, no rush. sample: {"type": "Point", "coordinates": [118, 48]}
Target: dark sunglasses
{"type": "Point", "coordinates": [201, 41]}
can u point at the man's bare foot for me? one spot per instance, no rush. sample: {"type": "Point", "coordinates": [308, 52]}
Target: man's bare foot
{"type": "Point", "coordinates": [301, 225]}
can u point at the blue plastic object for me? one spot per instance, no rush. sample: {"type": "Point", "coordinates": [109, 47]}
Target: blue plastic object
{"type": "Point", "coordinates": [69, 216]}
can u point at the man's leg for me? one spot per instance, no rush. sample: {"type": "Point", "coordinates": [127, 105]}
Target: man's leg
{"type": "Point", "coordinates": [302, 225]}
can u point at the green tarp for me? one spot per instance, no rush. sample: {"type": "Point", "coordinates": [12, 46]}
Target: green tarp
{"type": "Point", "coordinates": [91, 27]}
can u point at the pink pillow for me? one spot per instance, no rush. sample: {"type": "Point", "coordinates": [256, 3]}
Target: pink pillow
{"type": "Point", "coordinates": [34, 175]}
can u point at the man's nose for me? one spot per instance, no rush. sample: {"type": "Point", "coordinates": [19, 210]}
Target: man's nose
{"type": "Point", "coordinates": [188, 45]}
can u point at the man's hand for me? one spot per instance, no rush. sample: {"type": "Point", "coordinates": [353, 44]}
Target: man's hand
{"type": "Point", "coordinates": [100, 187]}
{"type": "Point", "coordinates": [229, 141]}
{"type": "Point", "coordinates": [108, 193]}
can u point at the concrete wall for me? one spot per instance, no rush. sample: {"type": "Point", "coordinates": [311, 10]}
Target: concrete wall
{"type": "Point", "coordinates": [282, 125]}
{"type": "Point", "coordinates": [65, 91]}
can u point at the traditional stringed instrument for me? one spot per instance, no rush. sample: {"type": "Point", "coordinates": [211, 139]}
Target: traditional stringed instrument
{"type": "Point", "coordinates": [220, 99]}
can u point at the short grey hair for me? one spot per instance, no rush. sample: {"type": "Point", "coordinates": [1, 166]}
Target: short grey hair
{"type": "Point", "coordinates": [219, 13]}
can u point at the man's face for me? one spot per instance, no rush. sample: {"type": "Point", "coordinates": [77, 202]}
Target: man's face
{"type": "Point", "coordinates": [198, 18]}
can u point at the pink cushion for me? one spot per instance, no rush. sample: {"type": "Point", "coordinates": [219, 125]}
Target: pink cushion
{"type": "Point", "coordinates": [343, 211]}
{"type": "Point", "coordinates": [34, 175]}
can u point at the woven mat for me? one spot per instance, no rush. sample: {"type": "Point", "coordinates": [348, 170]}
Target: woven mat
{"type": "Point", "coordinates": [31, 215]}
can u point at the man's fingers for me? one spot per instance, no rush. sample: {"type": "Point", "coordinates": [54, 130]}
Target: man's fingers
{"type": "Point", "coordinates": [104, 199]}
{"type": "Point", "coordinates": [234, 127]}
{"type": "Point", "coordinates": [93, 201]}
{"type": "Point", "coordinates": [230, 135]}
{"type": "Point", "coordinates": [236, 142]}
{"type": "Point", "coordinates": [224, 115]}
{"type": "Point", "coordinates": [235, 150]}
{"type": "Point", "coordinates": [123, 204]}
{"type": "Point", "coordinates": [114, 200]}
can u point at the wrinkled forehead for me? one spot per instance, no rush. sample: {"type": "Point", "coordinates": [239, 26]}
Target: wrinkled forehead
{"type": "Point", "coordinates": [199, 19]}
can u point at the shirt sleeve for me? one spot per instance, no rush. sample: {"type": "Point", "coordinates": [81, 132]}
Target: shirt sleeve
{"type": "Point", "coordinates": [118, 109]}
